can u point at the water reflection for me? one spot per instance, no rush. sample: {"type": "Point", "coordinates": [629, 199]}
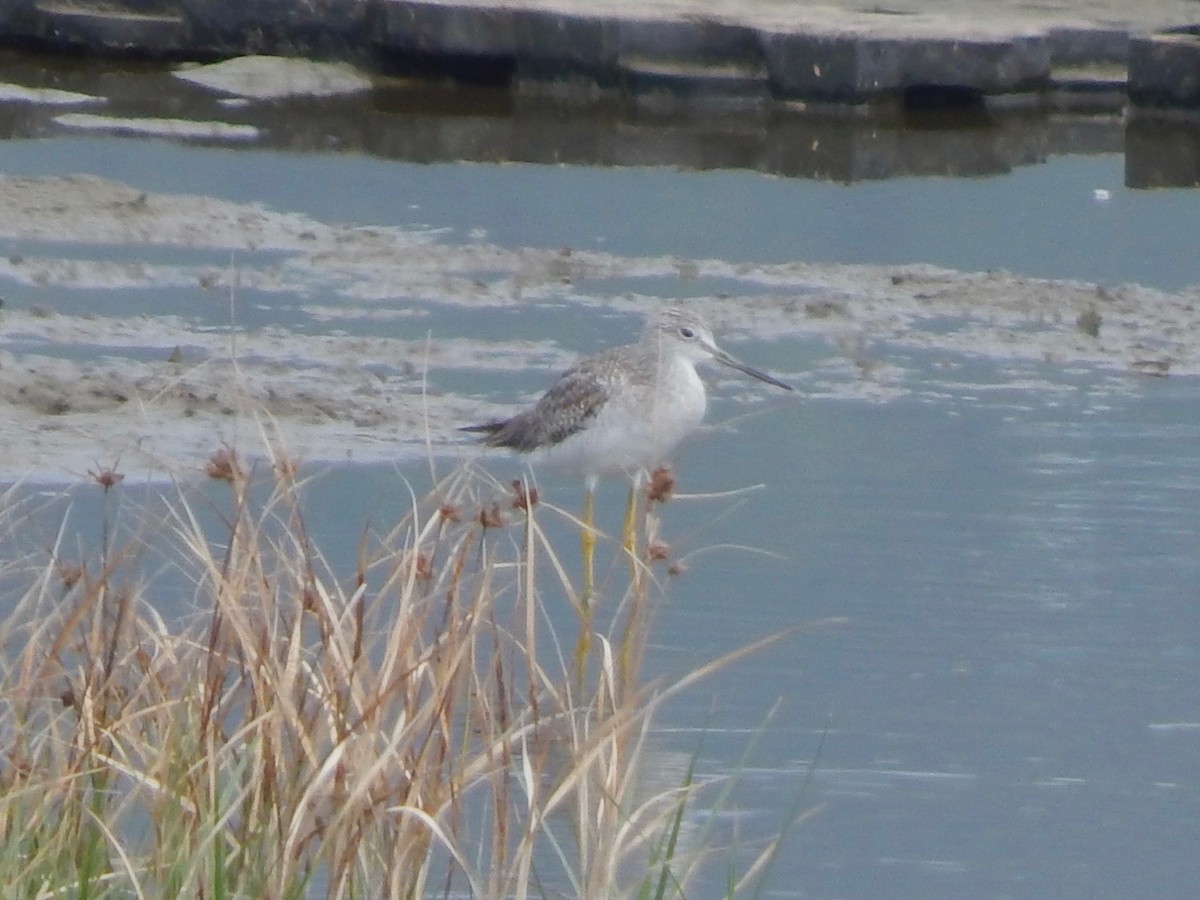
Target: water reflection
{"type": "Point", "coordinates": [428, 122]}
{"type": "Point", "coordinates": [1160, 153]}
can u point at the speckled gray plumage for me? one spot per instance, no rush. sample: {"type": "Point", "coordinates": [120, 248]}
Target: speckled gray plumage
{"type": "Point", "coordinates": [573, 401]}
{"type": "Point", "coordinates": [623, 409]}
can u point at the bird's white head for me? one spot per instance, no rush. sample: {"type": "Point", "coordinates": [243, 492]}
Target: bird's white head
{"type": "Point", "coordinates": [685, 334]}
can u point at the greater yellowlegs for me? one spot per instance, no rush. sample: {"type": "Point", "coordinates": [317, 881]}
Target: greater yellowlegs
{"type": "Point", "coordinates": [621, 411]}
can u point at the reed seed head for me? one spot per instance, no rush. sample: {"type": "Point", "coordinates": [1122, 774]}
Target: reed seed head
{"type": "Point", "coordinates": [224, 466]}
{"type": "Point", "coordinates": [661, 485]}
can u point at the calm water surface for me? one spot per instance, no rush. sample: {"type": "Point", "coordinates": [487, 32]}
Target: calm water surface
{"type": "Point", "coordinates": [1012, 705]}
{"type": "Point", "coordinates": [1038, 220]}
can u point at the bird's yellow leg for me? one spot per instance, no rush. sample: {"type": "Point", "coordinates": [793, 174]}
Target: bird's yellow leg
{"type": "Point", "coordinates": [587, 541]}
{"type": "Point", "coordinates": [629, 530]}
{"type": "Point", "coordinates": [629, 542]}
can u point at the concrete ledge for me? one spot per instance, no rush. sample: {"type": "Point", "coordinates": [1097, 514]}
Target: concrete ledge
{"type": "Point", "coordinates": [666, 83]}
{"type": "Point", "coordinates": [855, 67]}
{"type": "Point", "coordinates": [192, 29]}
{"type": "Point", "coordinates": [323, 28]}
{"type": "Point", "coordinates": [750, 52]}
{"type": "Point", "coordinates": [449, 29]}
{"type": "Point", "coordinates": [840, 68]}
{"type": "Point", "coordinates": [548, 43]}
{"type": "Point", "coordinates": [1164, 70]}
{"type": "Point", "coordinates": [801, 63]}
{"type": "Point", "coordinates": [1078, 45]}
{"type": "Point", "coordinates": [112, 28]}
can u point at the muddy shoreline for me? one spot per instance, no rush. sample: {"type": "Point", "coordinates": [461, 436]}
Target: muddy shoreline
{"type": "Point", "coordinates": [161, 392]}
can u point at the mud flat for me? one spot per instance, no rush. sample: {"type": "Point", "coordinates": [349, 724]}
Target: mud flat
{"type": "Point", "coordinates": [376, 382]}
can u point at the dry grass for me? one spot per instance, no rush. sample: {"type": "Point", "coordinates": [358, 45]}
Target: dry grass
{"type": "Point", "coordinates": [420, 730]}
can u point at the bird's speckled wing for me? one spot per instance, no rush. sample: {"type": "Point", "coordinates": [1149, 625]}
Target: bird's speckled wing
{"type": "Point", "coordinates": [566, 408]}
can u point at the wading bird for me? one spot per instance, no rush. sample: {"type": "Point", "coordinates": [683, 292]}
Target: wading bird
{"type": "Point", "coordinates": [620, 411]}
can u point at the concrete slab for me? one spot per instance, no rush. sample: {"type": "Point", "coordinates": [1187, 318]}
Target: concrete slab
{"type": "Point", "coordinates": [803, 60]}
{"type": "Point", "coordinates": [547, 42]}
{"type": "Point", "coordinates": [450, 29]}
{"type": "Point", "coordinates": [855, 67]}
{"type": "Point", "coordinates": [325, 29]}
{"type": "Point", "coordinates": [115, 28]}
{"type": "Point", "coordinates": [688, 49]}
{"type": "Point", "coordinates": [1164, 71]}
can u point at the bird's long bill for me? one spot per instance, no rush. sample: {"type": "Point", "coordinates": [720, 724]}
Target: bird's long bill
{"type": "Point", "coordinates": [722, 357]}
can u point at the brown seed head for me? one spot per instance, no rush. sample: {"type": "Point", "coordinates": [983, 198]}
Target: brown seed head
{"type": "Point", "coordinates": [224, 466]}
{"type": "Point", "coordinates": [309, 599]}
{"type": "Point", "coordinates": [106, 477]}
{"type": "Point", "coordinates": [657, 551]}
{"type": "Point", "coordinates": [490, 516]}
{"type": "Point", "coordinates": [523, 498]}
{"type": "Point", "coordinates": [70, 573]}
{"type": "Point", "coordinates": [450, 513]}
{"type": "Point", "coordinates": [661, 485]}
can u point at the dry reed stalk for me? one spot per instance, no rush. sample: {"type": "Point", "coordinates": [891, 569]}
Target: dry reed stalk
{"type": "Point", "coordinates": [418, 730]}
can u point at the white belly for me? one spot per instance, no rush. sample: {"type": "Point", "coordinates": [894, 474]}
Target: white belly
{"type": "Point", "coordinates": [638, 428]}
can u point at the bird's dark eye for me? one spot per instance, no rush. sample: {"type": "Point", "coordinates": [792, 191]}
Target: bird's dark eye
{"type": "Point", "coordinates": [686, 332]}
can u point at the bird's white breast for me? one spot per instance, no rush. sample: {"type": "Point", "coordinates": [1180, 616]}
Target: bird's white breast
{"type": "Point", "coordinates": [680, 405]}
{"type": "Point", "coordinates": [639, 427]}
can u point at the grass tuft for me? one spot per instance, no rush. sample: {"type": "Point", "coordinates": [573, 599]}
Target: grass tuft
{"type": "Point", "coordinates": [416, 728]}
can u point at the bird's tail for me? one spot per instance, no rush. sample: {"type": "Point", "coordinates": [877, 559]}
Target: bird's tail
{"type": "Point", "coordinates": [484, 428]}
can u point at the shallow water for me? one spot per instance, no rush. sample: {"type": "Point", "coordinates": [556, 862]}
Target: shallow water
{"type": "Point", "coordinates": [1040, 220]}
{"type": "Point", "coordinates": [1010, 705]}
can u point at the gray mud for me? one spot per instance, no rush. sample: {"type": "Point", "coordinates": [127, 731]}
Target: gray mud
{"type": "Point", "coordinates": [160, 393]}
